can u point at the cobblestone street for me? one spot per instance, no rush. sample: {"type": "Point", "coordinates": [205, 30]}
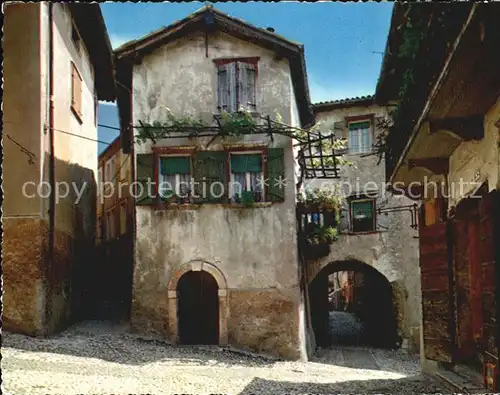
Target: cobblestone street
{"type": "Point", "coordinates": [97, 358]}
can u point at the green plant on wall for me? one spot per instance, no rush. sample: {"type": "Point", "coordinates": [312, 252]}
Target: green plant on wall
{"type": "Point", "coordinates": [247, 199]}
{"type": "Point", "coordinates": [323, 235]}
{"type": "Point", "coordinates": [237, 123]}
{"type": "Point", "coordinates": [311, 202]}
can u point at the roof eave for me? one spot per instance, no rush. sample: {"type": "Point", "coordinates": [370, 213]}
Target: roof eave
{"type": "Point", "coordinates": [90, 23]}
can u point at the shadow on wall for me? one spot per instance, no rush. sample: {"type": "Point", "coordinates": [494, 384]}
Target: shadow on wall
{"type": "Point", "coordinates": [68, 279]}
{"type": "Point", "coordinates": [412, 384]}
{"type": "Point", "coordinates": [73, 273]}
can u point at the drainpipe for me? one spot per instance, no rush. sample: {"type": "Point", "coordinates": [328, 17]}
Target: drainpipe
{"type": "Point", "coordinates": [50, 260]}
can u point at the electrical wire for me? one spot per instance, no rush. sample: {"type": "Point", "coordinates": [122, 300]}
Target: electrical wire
{"type": "Point", "coordinates": [73, 134]}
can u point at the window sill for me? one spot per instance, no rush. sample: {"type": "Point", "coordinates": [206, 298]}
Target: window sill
{"type": "Point", "coordinates": [359, 153]}
{"type": "Point", "coordinates": [371, 232]}
{"type": "Point", "coordinates": [76, 114]}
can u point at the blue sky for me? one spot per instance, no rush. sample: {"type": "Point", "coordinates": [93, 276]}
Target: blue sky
{"type": "Point", "coordinates": [339, 38]}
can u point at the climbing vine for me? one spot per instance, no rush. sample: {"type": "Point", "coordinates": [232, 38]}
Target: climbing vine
{"type": "Point", "coordinates": [323, 152]}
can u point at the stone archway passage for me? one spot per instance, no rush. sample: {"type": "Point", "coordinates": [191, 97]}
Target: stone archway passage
{"type": "Point", "coordinates": [374, 307]}
{"type": "Point", "coordinates": [198, 308]}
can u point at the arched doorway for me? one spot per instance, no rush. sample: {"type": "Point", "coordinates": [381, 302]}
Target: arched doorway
{"type": "Point", "coordinates": [353, 308]}
{"type": "Point", "coordinates": [198, 308]}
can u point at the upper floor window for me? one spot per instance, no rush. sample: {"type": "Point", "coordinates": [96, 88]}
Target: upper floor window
{"type": "Point", "coordinates": [236, 85]}
{"type": "Point", "coordinates": [75, 37]}
{"type": "Point", "coordinates": [124, 170]}
{"type": "Point", "coordinates": [110, 169]}
{"type": "Point", "coordinates": [360, 137]}
{"type": "Point", "coordinates": [76, 92]}
{"type": "Point", "coordinates": [123, 218]}
{"type": "Point", "coordinates": [246, 176]}
{"type": "Point", "coordinates": [175, 176]}
{"type": "Point", "coordinates": [362, 213]}
{"type": "Point", "coordinates": [210, 176]}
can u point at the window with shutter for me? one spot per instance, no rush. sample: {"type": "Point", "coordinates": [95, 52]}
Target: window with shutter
{"type": "Point", "coordinates": [246, 86]}
{"type": "Point", "coordinates": [223, 88]}
{"type": "Point", "coordinates": [360, 137]}
{"type": "Point", "coordinates": [246, 175]}
{"type": "Point", "coordinates": [175, 176]}
{"type": "Point", "coordinates": [145, 173]}
{"type": "Point", "coordinates": [236, 82]}
{"type": "Point", "coordinates": [362, 214]}
{"type": "Point", "coordinates": [76, 92]}
{"type": "Point", "coordinates": [210, 175]}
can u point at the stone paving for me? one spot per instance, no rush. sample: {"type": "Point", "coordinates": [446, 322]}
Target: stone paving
{"type": "Point", "coordinates": [98, 358]}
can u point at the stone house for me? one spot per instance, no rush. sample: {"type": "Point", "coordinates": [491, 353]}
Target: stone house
{"type": "Point", "coordinates": [444, 149]}
{"type": "Point", "coordinates": [375, 227]}
{"type": "Point", "coordinates": [210, 269]}
{"type": "Point", "coordinates": [57, 65]}
{"type": "Point", "coordinates": [114, 232]}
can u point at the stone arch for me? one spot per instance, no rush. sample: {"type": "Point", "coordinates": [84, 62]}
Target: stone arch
{"type": "Point", "coordinates": [368, 257]}
{"type": "Point", "coordinates": [198, 265]}
{"type": "Point", "coordinates": [318, 297]}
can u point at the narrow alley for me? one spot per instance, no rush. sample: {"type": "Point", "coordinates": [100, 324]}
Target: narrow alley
{"type": "Point", "coordinates": [100, 358]}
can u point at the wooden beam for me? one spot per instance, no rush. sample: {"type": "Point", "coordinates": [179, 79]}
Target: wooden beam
{"type": "Point", "coordinates": [467, 128]}
{"type": "Point", "coordinates": [435, 165]}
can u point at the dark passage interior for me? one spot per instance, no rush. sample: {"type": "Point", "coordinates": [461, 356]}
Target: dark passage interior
{"type": "Point", "coordinates": [352, 304]}
{"type": "Point", "coordinates": [198, 308]}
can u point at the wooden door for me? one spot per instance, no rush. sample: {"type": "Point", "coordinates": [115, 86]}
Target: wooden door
{"type": "Point", "coordinates": [467, 281]}
{"type": "Point", "coordinates": [198, 308]}
{"type": "Point", "coordinates": [489, 258]}
{"type": "Point", "coordinates": [435, 272]}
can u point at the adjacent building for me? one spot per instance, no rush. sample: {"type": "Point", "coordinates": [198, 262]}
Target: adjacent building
{"type": "Point", "coordinates": [114, 227]}
{"type": "Point", "coordinates": [57, 65]}
{"type": "Point", "coordinates": [376, 229]}
{"type": "Point", "coordinates": [444, 149]}
{"type": "Point", "coordinates": [218, 265]}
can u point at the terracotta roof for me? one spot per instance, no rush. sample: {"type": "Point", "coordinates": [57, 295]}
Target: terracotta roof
{"type": "Point", "coordinates": [341, 103]}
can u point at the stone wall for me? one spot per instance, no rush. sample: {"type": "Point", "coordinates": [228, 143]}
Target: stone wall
{"type": "Point", "coordinates": [24, 291]}
{"type": "Point", "coordinates": [264, 322]}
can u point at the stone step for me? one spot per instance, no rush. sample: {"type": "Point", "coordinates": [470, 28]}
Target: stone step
{"type": "Point", "coordinates": [460, 383]}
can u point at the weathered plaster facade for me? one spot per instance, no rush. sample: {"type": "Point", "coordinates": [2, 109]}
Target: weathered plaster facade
{"type": "Point", "coordinates": [393, 248]}
{"type": "Point", "coordinates": [40, 292]}
{"type": "Point", "coordinates": [251, 252]}
{"type": "Point", "coordinates": [477, 162]}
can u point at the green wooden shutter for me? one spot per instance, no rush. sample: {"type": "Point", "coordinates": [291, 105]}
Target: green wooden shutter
{"type": "Point", "coordinates": [275, 172]}
{"type": "Point", "coordinates": [145, 172]}
{"type": "Point", "coordinates": [210, 167]}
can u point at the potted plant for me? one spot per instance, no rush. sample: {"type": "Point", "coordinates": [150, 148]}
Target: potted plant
{"type": "Point", "coordinates": [247, 198]}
